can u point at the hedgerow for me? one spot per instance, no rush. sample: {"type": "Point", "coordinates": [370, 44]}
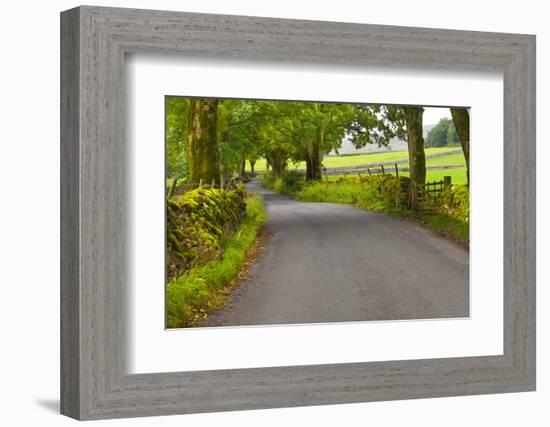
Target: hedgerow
{"type": "Point", "coordinates": [289, 183]}
{"type": "Point", "coordinates": [455, 203]}
{"type": "Point", "coordinates": [376, 192]}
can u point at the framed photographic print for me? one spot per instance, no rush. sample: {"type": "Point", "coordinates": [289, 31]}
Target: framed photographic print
{"type": "Point", "coordinates": [261, 213]}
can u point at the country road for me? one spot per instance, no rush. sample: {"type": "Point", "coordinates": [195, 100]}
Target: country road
{"type": "Point", "coordinates": [326, 262]}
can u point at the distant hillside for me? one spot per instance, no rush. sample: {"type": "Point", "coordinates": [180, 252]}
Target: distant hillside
{"type": "Point", "coordinates": [394, 145]}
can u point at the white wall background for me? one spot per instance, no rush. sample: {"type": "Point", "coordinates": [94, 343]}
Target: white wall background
{"type": "Point", "coordinates": [29, 212]}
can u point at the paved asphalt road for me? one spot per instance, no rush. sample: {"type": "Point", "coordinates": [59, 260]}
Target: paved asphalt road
{"type": "Point", "coordinates": [326, 262]}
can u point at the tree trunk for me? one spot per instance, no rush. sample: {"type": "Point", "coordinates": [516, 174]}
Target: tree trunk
{"type": "Point", "coordinates": [315, 151]}
{"type": "Point", "coordinates": [252, 163]}
{"type": "Point", "coordinates": [277, 165]}
{"type": "Point", "coordinates": [313, 158]}
{"type": "Point", "coordinates": [417, 157]}
{"type": "Point", "coordinates": [203, 153]}
{"type": "Point", "coordinates": [243, 168]}
{"type": "Point", "coordinates": [461, 120]}
{"type": "Point", "coordinates": [318, 153]}
{"type": "Point", "coordinates": [309, 168]}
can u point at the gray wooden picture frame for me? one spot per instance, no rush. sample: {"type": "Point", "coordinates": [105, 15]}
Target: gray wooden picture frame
{"type": "Point", "coordinates": [94, 382]}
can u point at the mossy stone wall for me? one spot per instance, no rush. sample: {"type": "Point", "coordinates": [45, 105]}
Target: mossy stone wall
{"type": "Point", "coordinates": [197, 223]}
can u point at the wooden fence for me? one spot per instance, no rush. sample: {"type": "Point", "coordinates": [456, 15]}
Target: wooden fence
{"type": "Point", "coordinates": [381, 168]}
{"type": "Point", "coordinates": [429, 195]}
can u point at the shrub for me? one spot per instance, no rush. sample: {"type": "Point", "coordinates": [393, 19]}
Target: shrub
{"type": "Point", "coordinates": [268, 181]}
{"type": "Point", "coordinates": [375, 192]}
{"type": "Point", "coordinates": [455, 203]}
{"type": "Point", "coordinates": [289, 183]}
{"type": "Point", "coordinates": [292, 181]}
{"type": "Point", "coordinates": [196, 224]}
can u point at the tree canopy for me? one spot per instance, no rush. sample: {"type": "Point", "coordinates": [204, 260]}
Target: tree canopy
{"type": "Point", "coordinates": [443, 134]}
{"type": "Point", "coordinates": [231, 132]}
{"type": "Point", "coordinates": [210, 139]}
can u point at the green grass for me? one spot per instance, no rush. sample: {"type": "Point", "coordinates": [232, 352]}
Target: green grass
{"type": "Point", "coordinates": [458, 176]}
{"type": "Point", "coordinates": [361, 159]}
{"type": "Point", "coordinates": [454, 228]}
{"type": "Point", "coordinates": [361, 196]}
{"type": "Point", "coordinates": [452, 159]}
{"type": "Point", "coordinates": [203, 289]}
{"type": "Point", "coordinates": [368, 197]}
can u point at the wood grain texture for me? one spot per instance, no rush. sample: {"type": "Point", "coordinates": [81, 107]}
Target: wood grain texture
{"type": "Point", "coordinates": [70, 291]}
{"type": "Point", "coordinates": [94, 232]}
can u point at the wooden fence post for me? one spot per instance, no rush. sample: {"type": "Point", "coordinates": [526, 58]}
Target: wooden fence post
{"type": "Point", "coordinates": [446, 182]}
{"type": "Point", "coordinates": [382, 167]}
{"type": "Point", "coordinates": [368, 170]}
{"type": "Point", "coordinates": [172, 188]}
{"type": "Point", "coordinates": [200, 183]}
{"type": "Point", "coordinates": [396, 171]}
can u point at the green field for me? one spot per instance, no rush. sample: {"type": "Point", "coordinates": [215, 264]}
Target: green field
{"type": "Point", "coordinates": [453, 159]}
{"type": "Point", "coordinates": [362, 159]}
{"type": "Point", "coordinates": [458, 176]}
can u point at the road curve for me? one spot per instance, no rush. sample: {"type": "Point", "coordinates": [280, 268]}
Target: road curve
{"type": "Point", "coordinates": [327, 262]}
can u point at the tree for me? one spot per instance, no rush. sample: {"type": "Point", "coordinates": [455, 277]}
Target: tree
{"type": "Point", "coordinates": [177, 111]}
{"type": "Point", "coordinates": [376, 124]}
{"type": "Point", "coordinates": [244, 124]}
{"type": "Point", "coordinates": [452, 136]}
{"type": "Point", "coordinates": [332, 122]}
{"type": "Point", "coordinates": [443, 134]}
{"type": "Point", "coordinates": [461, 119]}
{"type": "Point", "coordinates": [203, 154]}
{"type": "Point", "coordinates": [417, 157]}
{"type": "Point", "coordinates": [316, 142]}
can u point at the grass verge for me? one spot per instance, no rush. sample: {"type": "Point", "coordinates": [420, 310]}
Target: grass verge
{"type": "Point", "coordinates": [359, 195]}
{"type": "Point", "coordinates": [452, 228]}
{"type": "Point", "coordinates": [368, 197]}
{"type": "Point", "coordinates": [193, 295]}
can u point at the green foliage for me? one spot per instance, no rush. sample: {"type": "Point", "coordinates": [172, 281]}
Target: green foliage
{"type": "Point", "coordinates": [278, 131]}
{"type": "Point", "coordinates": [196, 224]}
{"type": "Point", "coordinates": [376, 124]}
{"type": "Point", "coordinates": [375, 192]}
{"type": "Point", "coordinates": [454, 228]}
{"type": "Point", "coordinates": [177, 111]}
{"type": "Point", "coordinates": [202, 289]}
{"type": "Point", "coordinates": [268, 181]}
{"type": "Point", "coordinates": [290, 182]}
{"type": "Point", "coordinates": [366, 197]}
{"type": "Point", "coordinates": [455, 203]}
{"type": "Point", "coordinates": [443, 134]}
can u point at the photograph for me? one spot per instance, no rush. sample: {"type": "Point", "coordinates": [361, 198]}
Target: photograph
{"type": "Point", "coordinates": [264, 214]}
{"type": "Point", "coordinates": [297, 212]}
